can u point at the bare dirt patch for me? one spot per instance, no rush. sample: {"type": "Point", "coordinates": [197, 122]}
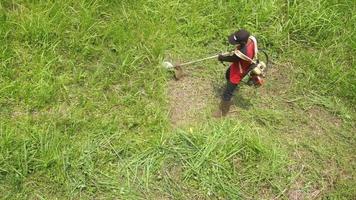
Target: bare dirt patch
{"type": "Point", "coordinates": [319, 113]}
{"type": "Point", "coordinates": [298, 191]}
{"type": "Point", "coordinates": [278, 80]}
{"type": "Point", "coordinates": [188, 97]}
{"type": "Point", "coordinates": [296, 194]}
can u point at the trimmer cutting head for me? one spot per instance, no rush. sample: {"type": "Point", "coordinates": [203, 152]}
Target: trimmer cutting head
{"type": "Point", "coordinates": [178, 71]}
{"type": "Point", "coordinates": [167, 65]}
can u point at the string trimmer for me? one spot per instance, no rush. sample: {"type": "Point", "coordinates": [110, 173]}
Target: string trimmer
{"type": "Point", "coordinates": [178, 71]}
{"type": "Point", "coordinates": [257, 71]}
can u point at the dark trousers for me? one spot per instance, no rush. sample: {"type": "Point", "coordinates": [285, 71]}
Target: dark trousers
{"type": "Point", "coordinates": [230, 87]}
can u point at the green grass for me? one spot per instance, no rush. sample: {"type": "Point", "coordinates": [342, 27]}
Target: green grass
{"type": "Point", "coordinates": [84, 107]}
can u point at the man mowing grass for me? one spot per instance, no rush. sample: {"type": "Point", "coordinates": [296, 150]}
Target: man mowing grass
{"type": "Point", "coordinates": [238, 69]}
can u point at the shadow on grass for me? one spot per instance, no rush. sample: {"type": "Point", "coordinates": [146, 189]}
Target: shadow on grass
{"type": "Point", "coordinates": [242, 102]}
{"type": "Point", "coordinates": [238, 99]}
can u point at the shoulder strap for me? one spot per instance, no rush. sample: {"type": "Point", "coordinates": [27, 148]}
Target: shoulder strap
{"type": "Point", "coordinates": [239, 54]}
{"type": "Point", "coordinates": [255, 43]}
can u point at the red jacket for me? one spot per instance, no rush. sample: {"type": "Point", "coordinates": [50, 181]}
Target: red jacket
{"type": "Point", "coordinates": [240, 68]}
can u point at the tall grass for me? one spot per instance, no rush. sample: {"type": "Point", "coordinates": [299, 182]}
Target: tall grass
{"type": "Point", "coordinates": [83, 105]}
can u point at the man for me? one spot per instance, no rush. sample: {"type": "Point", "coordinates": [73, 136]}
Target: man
{"type": "Point", "coordinates": [238, 69]}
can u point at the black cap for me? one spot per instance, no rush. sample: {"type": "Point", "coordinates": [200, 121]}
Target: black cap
{"type": "Point", "coordinates": [239, 37]}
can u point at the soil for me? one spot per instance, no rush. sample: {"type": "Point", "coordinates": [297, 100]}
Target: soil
{"type": "Point", "coordinates": [188, 97]}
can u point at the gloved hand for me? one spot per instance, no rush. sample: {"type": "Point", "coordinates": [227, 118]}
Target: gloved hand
{"type": "Point", "coordinates": [220, 58]}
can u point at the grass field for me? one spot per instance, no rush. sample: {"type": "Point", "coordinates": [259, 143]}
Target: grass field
{"type": "Point", "coordinates": [86, 108]}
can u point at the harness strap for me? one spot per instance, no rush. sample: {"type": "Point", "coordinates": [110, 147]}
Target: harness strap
{"type": "Point", "coordinates": [239, 54]}
{"type": "Point", "coordinates": [256, 48]}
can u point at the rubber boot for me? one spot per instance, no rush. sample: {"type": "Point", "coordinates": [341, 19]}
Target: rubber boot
{"type": "Point", "coordinates": [224, 108]}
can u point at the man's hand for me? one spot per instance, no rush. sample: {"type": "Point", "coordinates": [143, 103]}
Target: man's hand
{"type": "Point", "coordinates": [221, 58]}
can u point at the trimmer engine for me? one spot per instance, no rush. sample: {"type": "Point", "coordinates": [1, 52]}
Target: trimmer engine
{"type": "Point", "coordinates": [257, 74]}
